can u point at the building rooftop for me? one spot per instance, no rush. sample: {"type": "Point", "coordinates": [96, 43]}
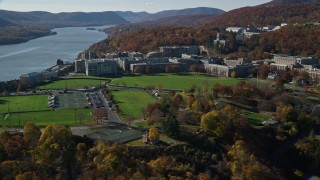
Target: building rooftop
{"type": "Point", "coordinates": [32, 74]}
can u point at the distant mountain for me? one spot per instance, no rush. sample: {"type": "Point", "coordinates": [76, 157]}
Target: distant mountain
{"type": "Point", "coordinates": [177, 21]}
{"type": "Point", "coordinates": [17, 27]}
{"type": "Point", "coordinates": [283, 2]}
{"type": "Point", "coordinates": [93, 18]}
{"type": "Point", "coordinates": [4, 23]}
{"type": "Point", "coordinates": [133, 16]}
{"type": "Point", "coordinates": [144, 16]}
{"type": "Point", "coordinates": [63, 19]}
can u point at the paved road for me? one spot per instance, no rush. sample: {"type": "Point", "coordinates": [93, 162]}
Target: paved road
{"type": "Point", "coordinates": [76, 130]}
{"type": "Point", "coordinates": [112, 115]}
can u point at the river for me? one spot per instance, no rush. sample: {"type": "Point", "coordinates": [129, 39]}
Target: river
{"type": "Point", "coordinates": [39, 54]}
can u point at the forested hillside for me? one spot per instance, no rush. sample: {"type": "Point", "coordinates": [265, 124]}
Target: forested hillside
{"type": "Point", "coordinates": [260, 16]}
{"type": "Point", "coordinates": [145, 40]}
{"type": "Point", "coordinates": [301, 40]}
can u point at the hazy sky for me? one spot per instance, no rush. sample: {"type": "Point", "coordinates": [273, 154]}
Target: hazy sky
{"type": "Point", "coordinates": [122, 5]}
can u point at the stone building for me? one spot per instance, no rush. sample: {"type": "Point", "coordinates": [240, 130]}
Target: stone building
{"type": "Point", "coordinates": [234, 62]}
{"type": "Point", "coordinates": [218, 70]}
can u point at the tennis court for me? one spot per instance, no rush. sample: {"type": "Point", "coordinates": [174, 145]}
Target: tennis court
{"type": "Point", "coordinates": [71, 100]}
{"type": "Point", "coordinates": [119, 134]}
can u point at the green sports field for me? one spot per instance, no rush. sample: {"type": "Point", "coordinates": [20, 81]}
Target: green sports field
{"type": "Point", "coordinates": [24, 103]}
{"type": "Point", "coordinates": [73, 84]}
{"type": "Point", "coordinates": [42, 118]}
{"type": "Point", "coordinates": [131, 102]}
{"type": "Point", "coordinates": [35, 108]}
{"type": "Point", "coordinates": [173, 81]}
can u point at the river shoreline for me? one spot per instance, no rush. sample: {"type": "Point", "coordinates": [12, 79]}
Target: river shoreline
{"type": "Point", "coordinates": [41, 53]}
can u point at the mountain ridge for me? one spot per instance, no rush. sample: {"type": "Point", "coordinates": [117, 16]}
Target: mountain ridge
{"type": "Point", "coordinates": [145, 16]}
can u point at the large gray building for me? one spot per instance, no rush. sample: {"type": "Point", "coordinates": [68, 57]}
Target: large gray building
{"type": "Point", "coordinates": [289, 60]}
{"type": "Point", "coordinates": [96, 67]}
{"type": "Point", "coordinates": [158, 67]}
{"type": "Point", "coordinates": [218, 70]}
{"type": "Point", "coordinates": [177, 51]}
{"type": "Point", "coordinates": [80, 66]}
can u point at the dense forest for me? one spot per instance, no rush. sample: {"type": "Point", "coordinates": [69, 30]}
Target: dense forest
{"type": "Point", "coordinates": [18, 34]}
{"type": "Point", "coordinates": [145, 40]}
{"type": "Point", "coordinates": [225, 145]}
{"type": "Point", "coordinates": [301, 40]}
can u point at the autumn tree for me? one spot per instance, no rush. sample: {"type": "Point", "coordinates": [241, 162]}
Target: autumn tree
{"type": "Point", "coordinates": [150, 121]}
{"type": "Point", "coordinates": [99, 114]}
{"type": "Point", "coordinates": [178, 100]}
{"type": "Point", "coordinates": [263, 71]}
{"type": "Point", "coordinates": [154, 135]}
{"type": "Point", "coordinates": [171, 126]}
{"type": "Point", "coordinates": [309, 152]}
{"type": "Point", "coordinates": [55, 151]}
{"type": "Point", "coordinates": [31, 134]}
{"type": "Point", "coordinates": [108, 160]}
{"type": "Point", "coordinates": [233, 74]}
{"type": "Point", "coordinates": [245, 165]}
{"type": "Point", "coordinates": [286, 113]}
{"type": "Point", "coordinates": [210, 121]}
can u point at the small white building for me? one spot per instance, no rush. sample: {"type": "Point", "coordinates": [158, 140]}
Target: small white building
{"type": "Point", "coordinates": [235, 29]}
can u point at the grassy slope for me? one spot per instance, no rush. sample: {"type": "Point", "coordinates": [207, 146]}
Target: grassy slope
{"type": "Point", "coordinates": [73, 84]}
{"type": "Point", "coordinates": [131, 102]}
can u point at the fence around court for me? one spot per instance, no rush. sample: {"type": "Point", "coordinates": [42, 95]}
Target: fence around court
{"type": "Point", "coordinates": [116, 134]}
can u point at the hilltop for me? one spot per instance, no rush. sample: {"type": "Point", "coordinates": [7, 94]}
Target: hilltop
{"type": "Point", "coordinates": [283, 2]}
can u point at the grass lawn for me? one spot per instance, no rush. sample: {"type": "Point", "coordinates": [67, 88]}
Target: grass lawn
{"type": "Point", "coordinates": [163, 138]}
{"type": "Point", "coordinates": [43, 118]}
{"type": "Point", "coordinates": [84, 76]}
{"type": "Point", "coordinates": [25, 103]}
{"type": "Point", "coordinates": [256, 118]}
{"type": "Point", "coordinates": [131, 102]}
{"type": "Point", "coordinates": [73, 84]}
{"type": "Point", "coordinates": [173, 81]}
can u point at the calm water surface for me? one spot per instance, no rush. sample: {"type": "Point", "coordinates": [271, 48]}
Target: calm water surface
{"type": "Point", "coordinates": [39, 54]}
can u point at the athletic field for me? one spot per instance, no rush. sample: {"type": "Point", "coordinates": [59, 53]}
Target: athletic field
{"type": "Point", "coordinates": [35, 108]}
{"type": "Point", "coordinates": [173, 81]}
{"type": "Point", "coordinates": [70, 117]}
